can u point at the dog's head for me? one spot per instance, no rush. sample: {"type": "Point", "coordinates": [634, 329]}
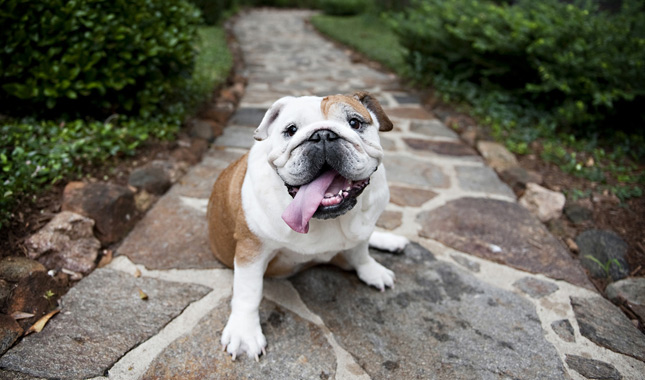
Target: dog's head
{"type": "Point", "coordinates": [324, 150]}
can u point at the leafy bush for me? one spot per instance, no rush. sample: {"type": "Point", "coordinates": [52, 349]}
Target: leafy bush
{"type": "Point", "coordinates": [35, 154]}
{"type": "Point", "coordinates": [214, 11]}
{"type": "Point", "coordinates": [344, 7]}
{"type": "Point", "coordinates": [94, 57]}
{"type": "Point", "coordinates": [547, 62]}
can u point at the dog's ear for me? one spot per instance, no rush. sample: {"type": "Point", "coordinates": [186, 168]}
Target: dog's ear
{"type": "Point", "coordinates": [262, 131]}
{"type": "Point", "coordinates": [385, 124]}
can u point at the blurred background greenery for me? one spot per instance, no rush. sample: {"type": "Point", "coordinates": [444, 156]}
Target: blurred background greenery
{"type": "Point", "coordinates": [85, 80]}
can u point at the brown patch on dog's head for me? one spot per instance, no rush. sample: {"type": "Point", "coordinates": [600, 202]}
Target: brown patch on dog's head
{"type": "Point", "coordinates": [328, 103]}
{"type": "Point", "coordinates": [366, 99]}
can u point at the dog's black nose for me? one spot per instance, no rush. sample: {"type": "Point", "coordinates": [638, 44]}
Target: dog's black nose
{"type": "Point", "coordinates": [323, 135]}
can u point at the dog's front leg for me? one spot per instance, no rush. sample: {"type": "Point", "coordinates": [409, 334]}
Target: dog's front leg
{"type": "Point", "coordinates": [243, 332]}
{"type": "Point", "coordinates": [369, 270]}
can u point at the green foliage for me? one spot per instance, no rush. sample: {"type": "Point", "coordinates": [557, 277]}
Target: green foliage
{"type": "Point", "coordinates": [543, 62]}
{"type": "Point", "coordinates": [365, 33]}
{"type": "Point", "coordinates": [344, 7]}
{"type": "Point", "coordinates": [35, 153]}
{"type": "Point", "coordinates": [94, 57]}
{"type": "Point", "coordinates": [215, 11]}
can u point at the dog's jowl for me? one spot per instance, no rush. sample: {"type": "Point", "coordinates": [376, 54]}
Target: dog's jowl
{"type": "Point", "coordinates": [309, 191]}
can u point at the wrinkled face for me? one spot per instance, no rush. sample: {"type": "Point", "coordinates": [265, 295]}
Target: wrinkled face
{"type": "Point", "coordinates": [329, 146]}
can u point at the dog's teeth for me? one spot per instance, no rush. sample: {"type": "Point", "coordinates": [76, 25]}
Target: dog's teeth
{"type": "Point", "coordinates": [340, 192]}
{"type": "Point", "coordinates": [329, 195]}
{"type": "Point", "coordinates": [345, 193]}
{"type": "Point", "coordinates": [348, 188]}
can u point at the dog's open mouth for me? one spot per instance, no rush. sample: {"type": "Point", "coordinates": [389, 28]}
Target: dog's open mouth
{"type": "Point", "coordinates": [328, 196]}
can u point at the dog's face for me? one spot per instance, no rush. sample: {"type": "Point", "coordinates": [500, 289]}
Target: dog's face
{"type": "Point", "coordinates": [327, 147]}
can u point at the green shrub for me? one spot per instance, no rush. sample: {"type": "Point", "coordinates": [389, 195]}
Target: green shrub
{"type": "Point", "coordinates": [576, 66]}
{"type": "Point", "coordinates": [344, 7]}
{"type": "Point", "coordinates": [35, 153]}
{"type": "Point", "coordinates": [90, 57]}
{"type": "Point", "coordinates": [214, 11]}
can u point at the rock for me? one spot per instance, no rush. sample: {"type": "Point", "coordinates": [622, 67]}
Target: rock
{"type": "Point", "coordinates": [36, 294]}
{"type": "Point", "coordinates": [153, 180]}
{"type": "Point", "coordinates": [496, 155]}
{"type": "Point", "coordinates": [144, 200]}
{"type": "Point", "coordinates": [10, 331]}
{"type": "Point", "coordinates": [630, 290]}
{"type": "Point", "coordinates": [543, 203]}
{"type": "Point", "coordinates": [447, 148]}
{"type": "Point", "coordinates": [534, 287]}
{"type": "Point", "coordinates": [577, 213]}
{"type": "Point", "coordinates": [248, 117]}
{"type": "Point", "coordinates": [468, 264]}
{"type": "Point", "coordinates": [15, 268]}
{"type": "Point", "coordinates": [603, 254]}
{"type": "Point", "coordinates": [298, 349]}
{"type": "Point", "coordinates": [404, 196]}
{"type": "Point", "coordinates": [481, 179]}
{"type": "Point", "coordinates": [220, 111]}
{"type": "Point", "coordinates": [409, 113]}
{"type": "Point", "coordinates": [67, 241]}
{"type": "Point", "coordinates": [176, 167]}
{"type": "Point", "coordinates": [517, 177]}
{"type": "Point", "coordinates": [103, 307]}
{"type": "Point", "coordinates": [389, 220]}
{"type": "Point", "coordinates": [503, 232]}
{"type": "Point", "coordinates": [443, 307]}
{"type": "Point", "coordinates": [409, 171]}
{"type": "Point", "coordinates": [593, 369]}
{"type": "Point", "coordinates": [469, 136]}
{"type": "Point", "coordinates": [564, 330]}
{"type": "Point", "coordinates": [604, 324]}
{"type": "Point", "coordinates": [111, 206]}
{"type": "Point", "coordinates": [202, 129]}
{"type": "Point", "coordinates": [5, 292]}
{"type": "Point", "coordinates": [432, 128]}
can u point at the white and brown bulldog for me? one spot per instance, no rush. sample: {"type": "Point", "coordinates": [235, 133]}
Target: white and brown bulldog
{"type": "Point", "coordinates": [309, 191]}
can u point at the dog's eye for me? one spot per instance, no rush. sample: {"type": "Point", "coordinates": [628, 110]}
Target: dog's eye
{"type": "Point", "coordinates": [291, 130]}
{"type": "Point", "coordinates": [355, 123]}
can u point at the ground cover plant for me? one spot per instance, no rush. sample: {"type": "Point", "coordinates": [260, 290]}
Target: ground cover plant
{"type": "Point", "coordinates": [91, 81]}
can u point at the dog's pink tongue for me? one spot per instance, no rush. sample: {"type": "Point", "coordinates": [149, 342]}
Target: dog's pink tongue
{"type": "Point", "coordinates": [306, 202]}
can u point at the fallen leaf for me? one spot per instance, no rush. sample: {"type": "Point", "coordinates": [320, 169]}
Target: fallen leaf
{"type": "Point", "coordinates": [74, 276]}
{"type": "Point", "coordinates": [40, 324]}
{"type": "Point", "coordinates": [143, 295]}
{"type": "Point", "coordinates": [137, 273]}
{"type": "Point", "coordinates": [21, 315]}
{"type": "Point", "coordinates": [106, 258]}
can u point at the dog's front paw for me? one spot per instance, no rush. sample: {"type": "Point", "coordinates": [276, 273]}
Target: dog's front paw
{"type": "Point", "coordinates": [243, 334]}
{"type": "Point", "coordinates": [375, 274]}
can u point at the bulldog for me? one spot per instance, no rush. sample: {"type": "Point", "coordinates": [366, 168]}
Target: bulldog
{"type": "Point", "coordinates": [309, 191]}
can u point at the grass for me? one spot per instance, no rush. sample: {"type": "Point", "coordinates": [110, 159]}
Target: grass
{"type": "Point", "coordinates": [366, 34]}
{"type": "Point", "coordinates": [35, 154]}
{"type": "Point", "coordinates": [612, 165]}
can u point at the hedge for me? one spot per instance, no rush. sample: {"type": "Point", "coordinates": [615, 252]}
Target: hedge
{"type": "Point", "coordinates": [93, 57]}
{"type": "Point", "coordinates": [550, 62]}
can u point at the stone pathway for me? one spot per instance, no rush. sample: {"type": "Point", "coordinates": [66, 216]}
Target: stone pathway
{"type": "Point", "coordinates": [484, 292]}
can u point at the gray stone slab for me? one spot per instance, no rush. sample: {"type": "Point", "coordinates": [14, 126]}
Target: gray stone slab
{"type": "Point", "coordinates": [604, 324]}
{"type": "Point", "coordinates": [564, 330]}
{"type": "Point", "coordinates": [102, 318]}
{"type": "Point", "coordinates": [410, 171]}
{"type": "Point", "coordinates": [297, 349]}
{"type": "Point", "coordinates": [504, 232]}
{"type": "Point", "coordinates": [248, 117]}
{"type": "Point", "coordinates": [172, 235]}
{"type": "Point", "coordinates": [534, 287]}
{"type": "Point", "coordinates": [432, 128]}
{"type": "Point", "coordinates": [593, 369]}
{"type": "Point", "coordinates": [236, 137]}
{"type": "Point", "coordinates": [482, 179]}
{"type": "Point", "coordinates": [455, 327]}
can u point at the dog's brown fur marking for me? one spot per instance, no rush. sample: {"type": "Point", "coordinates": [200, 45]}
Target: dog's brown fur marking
{"type": "Point", "coordinates": [229, 236]}
{"type": "Point", "coordinates": [385, 124]}
{"type": "Point", "coordinates": [329, 101]}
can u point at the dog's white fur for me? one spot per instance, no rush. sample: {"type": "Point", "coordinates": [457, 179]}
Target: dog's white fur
{"type": "Point", "coordinates": [272, 161]}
